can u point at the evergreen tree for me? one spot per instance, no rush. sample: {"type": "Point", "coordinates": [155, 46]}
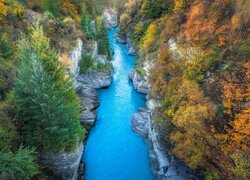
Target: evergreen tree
{"type": "Point", "coordinates": [86, 24]}
{"type": "Point", "coordinates": [19, 165]}
{"type": "Point", "coordinates": [46, 97]}
{"type": "Point", "coordinates": [53, 6]}
{"type": "Point", "coordinates": [5, 48]}
{"type": "Point", "coordinates": [103, 41]}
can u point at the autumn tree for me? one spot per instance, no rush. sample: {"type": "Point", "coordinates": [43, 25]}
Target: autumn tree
{"type": "Point", "coordinates": [150, 39]}
{"type": "Point", "coordinates": [191, 138]}
{"type": "Point", "coordinates": [3, 9]}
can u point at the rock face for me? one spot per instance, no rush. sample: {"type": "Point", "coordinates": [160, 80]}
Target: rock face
{"type": "Point", "coordinates": [164, 166]}
{"type": "Point", "coordinates": [110, 18]}
{"type": "Point", "coordinates": [120, 39]}
{"type": "Point", "coordinates": [64, 165]}
{"type": "Point", "coordinates": [95, 79]}
{"type": "Point", "coordinates": [90, 102]}
{"type": "Point", "coordinates": [75, 56]}
{"type": "Point", "coordinates": [87, 84]}
{"type": "Point", "coordinates": [131, 49]}
{"type": "Point", "coordinates": [140, 83]}
{"type": "Point", "coordinates": [140, 122]}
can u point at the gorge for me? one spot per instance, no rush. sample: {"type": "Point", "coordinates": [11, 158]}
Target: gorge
{"type": "Point", "coordinates": [124, 89]}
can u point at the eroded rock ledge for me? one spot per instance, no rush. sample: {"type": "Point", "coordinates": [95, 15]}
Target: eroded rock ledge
{"type": "Point", "coordinates": [64, 165]}
{"type": "Point", "coordinates": [164, 166]}
{"type": "Point", "coordinates": [140, 83]}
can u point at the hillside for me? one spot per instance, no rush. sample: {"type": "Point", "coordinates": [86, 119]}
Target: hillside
{"type": "Point", "coordinates": [196, 56]}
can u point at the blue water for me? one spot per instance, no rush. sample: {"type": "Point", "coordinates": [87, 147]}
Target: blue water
{"type": "Point", "coordinates": [113, 151]}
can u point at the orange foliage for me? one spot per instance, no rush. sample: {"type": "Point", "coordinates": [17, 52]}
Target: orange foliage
{"type": "Point", "coordinates": [65, 60]}
{"type": "Point", "coordinates": [198, 26]}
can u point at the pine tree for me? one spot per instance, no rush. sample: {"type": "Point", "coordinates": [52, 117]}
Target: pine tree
{"type": "Point", "coordinates": [5, 48]}
{"type": "Point", "coordinates": [103, 41]}
{"type": "Point", "coordinates": [46, 97]}
{"type": "Point", "coordinates": [86, 24]}
{"type": "Point", "coordinates": [18, 165]}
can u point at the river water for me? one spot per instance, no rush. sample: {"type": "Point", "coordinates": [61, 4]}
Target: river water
{"type": "Point", "coordinates": [113, 151]}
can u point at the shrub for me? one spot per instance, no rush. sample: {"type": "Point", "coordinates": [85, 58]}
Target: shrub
{"type": "Point", "coordinates": [86, 63]}
{"type": "Point", "coordinates": [140, 70]}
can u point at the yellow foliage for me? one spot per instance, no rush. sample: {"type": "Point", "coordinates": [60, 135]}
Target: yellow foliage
{"type": "Point", "coordinates": [3, 9]}
{"type": "Point", "coordinates": [70, 9]}
{"type": "Point", "coordinates": [234, 22]}
{"type": "Point", "coordinates": [150, 38]}
{"type": "Point", "coordinates": [179, 5]}
{"type": "Point", "coordinates": [192, 140]}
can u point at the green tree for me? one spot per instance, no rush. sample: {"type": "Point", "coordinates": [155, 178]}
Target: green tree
{"type": "Point", "coordinates": [18, 165]}
{"type": "Point", "coordinates": [46, 97]}
{"type": "Point", "coordinates": [103, 41]}
{"type": "Point", "coordinates": [86, 24]}
{"type": "Point", "coordinates": [52, 6]}
{"type": "Point", "coordinates": [5, 48]}
{"type": "Point", "coordinates": [151, 9]}
{"type": "Point", "coordinates": [85, 64]}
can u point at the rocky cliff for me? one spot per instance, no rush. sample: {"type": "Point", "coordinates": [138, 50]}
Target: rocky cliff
{"type": "Point", "coordinates": [164, 166]}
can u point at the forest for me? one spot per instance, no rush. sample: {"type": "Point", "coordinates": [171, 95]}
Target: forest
{"type": "Point", "coordinates": [200, 75]}
{"type": "Point", "coordinates": [200, 51]}
{"type": "Point", "coordinates": [39, 108]}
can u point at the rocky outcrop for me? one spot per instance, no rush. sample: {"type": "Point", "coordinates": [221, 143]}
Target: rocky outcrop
{"type": "Point", "coordinates": [131, 49]}
{"type": "Point", "coordinates": [75, 56]}
{"type": "Point", "coordinates": [63, 165]}
{"type": "Point", "coordinates": [140, 122]}
{"type": "Point", "coordinates": [95, 79]}
{"type": "Point", "coordinates": [164, 166]}
{"type": "Point", "coordinates": [86, 84]}
{"type": "Point", "coordinates": [90, 102]}
{"type": "Point", "coordinates": [120, 39]}
{"type": "Point", "coordinates": [110, 18]}
{"type": "Point", "coordinates": [140, 83]}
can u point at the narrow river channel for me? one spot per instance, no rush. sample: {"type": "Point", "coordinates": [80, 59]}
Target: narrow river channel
{"type": "Point", "coordinates": [113, 151]}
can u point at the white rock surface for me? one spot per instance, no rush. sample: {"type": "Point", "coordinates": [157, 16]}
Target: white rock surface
{"type": "Point", "coordinates": [140, 83]}
{"type": "Point", "coordinates": [110, 18]}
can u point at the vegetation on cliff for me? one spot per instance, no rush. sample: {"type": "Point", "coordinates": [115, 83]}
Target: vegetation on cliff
{"type": "Point", "coordinates": [200, 51]}
{"type": "Point", "coordinates": [39, 109]}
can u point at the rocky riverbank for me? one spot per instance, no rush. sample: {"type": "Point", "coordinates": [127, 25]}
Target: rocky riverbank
{"type": "Point", "coordinates": [65, 165]}
{"type": "Point", "coordinates": [164, 166]}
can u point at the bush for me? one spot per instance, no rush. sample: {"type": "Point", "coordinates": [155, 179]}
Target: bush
{"type": "Point", "coordinates": [86, 63]}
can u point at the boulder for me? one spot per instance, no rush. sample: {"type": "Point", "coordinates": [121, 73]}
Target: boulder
{"type": "Point", "coordinates": [88, 97]}
{"type": "Point", "coordinates": [87, 118]}
{"type": "Point", "coordinates": [95, 79]}
{"type": "Point", "coordinates": [64, 165]}
{"type": "Point", "coordinates": [120, 39]}
{"type": "Point", "coordinates": [140, 83]}
{"type": "Point", "coordinates": [140, 122]}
